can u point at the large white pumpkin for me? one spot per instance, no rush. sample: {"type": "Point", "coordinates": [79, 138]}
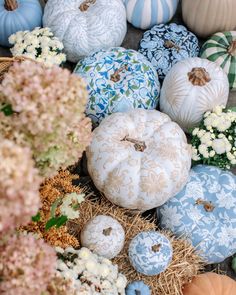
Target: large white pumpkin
{"type": "Point", "coordinates": [192, 87]}
{"type": "Point", "coordinates": [139, 159]}
{"type": "Point", "coordinates": [85, 26]}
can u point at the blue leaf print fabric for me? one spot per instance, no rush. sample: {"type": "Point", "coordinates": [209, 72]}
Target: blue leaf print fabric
{"type": "Point", "coordinates": [165, 45]}
{"type": "Point", "coordinates": [205, 212]}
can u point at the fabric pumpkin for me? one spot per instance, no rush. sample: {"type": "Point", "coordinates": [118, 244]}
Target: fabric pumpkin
{"type": "Point", "coordinates": [104, 235]}
{"type": "Point", "coordinates": [221, 48]}
{"type": "Point", "coordinates": [192, 87]}
{"type": "Point", "coordinates": [118, 80]}
{"type": "Point", "coordinates": [165, 45]}
{"type": "Point", "coordinates": [206, 17]}
{"type": "Point", "coordinates": [137, 287]}
{"type": "Point", "coordinates": [210, 284]}
{"type": "Point", "coordinates": [150, 253]}
{"type": "Point", "coordinates": [139, 159]}
{"type": "Point", "coordinates": [85, 26]}
{"type": "Point", "coordinates": [204, 211]}
{"type": "Point", "coordinates": [145, 14]}
{"type": "Point", "coordinates": [18, 15]}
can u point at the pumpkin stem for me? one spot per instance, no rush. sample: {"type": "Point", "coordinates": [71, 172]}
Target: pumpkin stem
{"type": "Point", "coordinates": [116, 76]}
{"type": "Point", "coordinates": [137, 292]}
{"type": "Point", "coordinates": [107, 231]}
{"type": "Point", "coordinates": [84, 6]}
{"type": "Point", "coordinates": [232, 48]}
{"type": "Point", "coordinates": [208, 206]}
{"type": "Point", "coordinates": [199, 77]}
{"type": "Point", "coordinates": [156, 248]}
{"type": "Point", "coordinates": [171, 44]}
{"type": "Point", "coordinates": [10, 5]}
{"type": "Point", "coordinates": [139, 145]}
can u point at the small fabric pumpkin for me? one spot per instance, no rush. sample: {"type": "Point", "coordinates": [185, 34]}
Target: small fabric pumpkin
{"type": "Point", "coordinates": [192, 87]}
{"type": "Point", "coordinates": [85, 26]}
{"type": "Point", "coordinates": [150, 253]}
{"type": "Point", "coordinates": [165, 45]}
{"type": "Point", "coordinates": [204, 212]}
{"type": "Point", "coordinates": [210, 284]}
{"type": "Point", "coordinates": [145, 14]}
{"type": "Point", "coordinates": [221, 48]}
{"type": "Point", "coordinates": [118, 80]}
{"type": "Point", "coordinates": [139, 159]}
{"type": "Point", "coordinates": [18, 15]}
{"type": "Point", "coordinates": [137, 287]}
{"type": "Point", "coordinates": [104, 235]}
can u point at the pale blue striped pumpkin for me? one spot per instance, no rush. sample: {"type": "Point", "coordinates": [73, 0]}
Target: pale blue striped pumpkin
{"type": "Point", "coordinates": [144, 14]}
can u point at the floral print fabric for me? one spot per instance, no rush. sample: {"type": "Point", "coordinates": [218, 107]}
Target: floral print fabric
{"type": "Point", "coordinates": [213, 232]}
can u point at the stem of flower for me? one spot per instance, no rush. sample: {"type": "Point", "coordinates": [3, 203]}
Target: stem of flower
{"type": "Point", "coordinates": [10, 5]}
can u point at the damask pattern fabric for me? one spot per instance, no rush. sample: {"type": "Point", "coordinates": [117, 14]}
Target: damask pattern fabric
{"type": "Point", "coordinates": [165, 45]}
{"type": "Point", "coordinates": [135, 85]}
{"type": "Point", "coordinates": [213, 232]}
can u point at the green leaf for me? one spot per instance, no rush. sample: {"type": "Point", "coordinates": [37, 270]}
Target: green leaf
{"type": "Point", "coordinates": [56, 221]}
{"type": "Point", "coordinates": [51, 222]}
{"type": "Point", "coordinates": [232, 109]}
{"type": "Point", "coordinates": [36, 218]}
{"type": "Point", "coordinates": [7, 110]}
{"type": "Point", "coordinates": [61, 221]}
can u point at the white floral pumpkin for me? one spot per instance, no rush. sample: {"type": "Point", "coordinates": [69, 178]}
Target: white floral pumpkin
{"type": "Point", "coordinates": [192, 87]}
{"type": "Point", "coordinates": [139, 159]}
{"type": "Point", "coordinates": [85, 26]}
{"type": "Point", "coordinates": [104, 235]}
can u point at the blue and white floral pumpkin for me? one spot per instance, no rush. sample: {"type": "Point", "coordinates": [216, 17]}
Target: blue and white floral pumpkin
{"type": "Point", "coordinates": [119, 80]}
{"type": "Point", "coordinates": [150, 253]}
{"type": "Point", "coordinates": [137, 287]}
{"type": "Point", "coordinates": [165, 45]}
{"type": "Point", "coordinates": [205, 212]}
{"type": "Point", "coordinates": [144, 14]}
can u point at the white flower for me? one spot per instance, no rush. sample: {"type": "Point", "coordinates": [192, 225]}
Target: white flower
{"type": "Point", "coordinates": [121, 282]}
{"type": "Point", "coordinates": [219, 146]}
{"type": "Point", "coordinates": [195, 131]}
{"type": "Point", "coordinates": [195, 155]}
{"type": "Point", "coordinates": [201, 133]}
{"type": "Point", "coordinates": [203, 149]}
{"type": "Point", "coordinates": [206, 138]}
{"type": "Point", "coordinates": [85, 253]}
{"type": "Point", "coordinates": [104, 270]}
{"type": "Point", "coordinates": [218, 110]}
{"type": "Point", "coordinates": [233, 162]}
{"type": "Point", "coordinates": [230, 156]}
{"type": "Point", "coordinates": [12, 39]}
{"type": "Point", "coordinates": [212, 153]}
{"type": "Point", "coordinates": [70, 205]}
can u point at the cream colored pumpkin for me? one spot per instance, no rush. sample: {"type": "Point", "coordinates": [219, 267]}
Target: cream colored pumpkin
{"type": "Point", "coordinates": [139, 159]}
{"type": "Point", "coordinates": [192, 87]}
{"type": "Point", "coordinates": [206, 17]}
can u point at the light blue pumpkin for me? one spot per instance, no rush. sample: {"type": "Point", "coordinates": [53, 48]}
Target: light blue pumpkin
{"type": "Point", "coordinates": [137, 287]}
{"type": "Point", "coordinates": [27, 16]}
{"type": "Point", "coordinates": [205, 212]}
{"type": "Point", "coordinates": [119, 80]}
{"type": "Point", "coordinates": [144, 14]}
{"type": "Point", "coordinates": [165, 45]}
{"type": "Point", "coordinates": [150, 253]}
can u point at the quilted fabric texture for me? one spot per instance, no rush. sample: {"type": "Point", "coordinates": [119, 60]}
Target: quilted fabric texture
{"type": "Point", "coordinates": [165, 45]}
{"type": "Point", "coordinates": [205, 211]}
{"type": "Point", "coordinates": [118, 80]}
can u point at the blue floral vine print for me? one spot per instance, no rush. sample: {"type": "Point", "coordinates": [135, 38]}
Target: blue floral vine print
{"type": "Point", "coordinates": [118, 80]}
{"type": "Point", "coordinates": [165, 45]}
{"type": "Point", "coordinates": [205, 212]}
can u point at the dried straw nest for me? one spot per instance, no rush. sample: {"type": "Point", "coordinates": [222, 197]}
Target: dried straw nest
{"type": "Point", "coordinates": [185, 264]}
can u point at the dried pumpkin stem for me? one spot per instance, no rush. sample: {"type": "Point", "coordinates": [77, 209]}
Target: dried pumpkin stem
{"type": "Point", "coordinates": [84, 6]}
{"type": "Point", "coordinates": [139, 145]}
{"type": "Point", "coordinates": [116, 76]}
{"type": "Point", "coordinates": [107, 231]}
{"type": "Point", "coordinates": [156, 248]}
{"type": "Point", "coordinates": [171, 44]}
{"type": "Point", "coordinates": [232, 48]}
{"type": "Point", "coordinates": [208, 206]}
{"type": "Point", "coordinates": [199, 76]}
{"type": "Point", "coordinates": [10, 5]}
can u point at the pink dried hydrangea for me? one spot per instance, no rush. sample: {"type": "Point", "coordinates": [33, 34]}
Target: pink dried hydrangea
{"type": "Point", "coordinates": [19, 186]}
{"type": "Point", "coordinates": [48, 105]}
{"type": "Point", "coordinates": [26, 266]}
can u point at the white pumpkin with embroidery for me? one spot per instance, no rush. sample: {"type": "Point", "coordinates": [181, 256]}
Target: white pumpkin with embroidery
{"type": "Point", "coordinates": [139, 159]}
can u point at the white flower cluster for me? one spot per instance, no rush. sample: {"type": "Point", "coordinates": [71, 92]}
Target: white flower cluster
{"type": "Point", "coordinates": [39, 44]}
{"type": "Point", "coordinates": [89, 273]}
{"type": "Point", "coordinates": [70, 205]}
{"type": "Point", "coordinates": [216, 136]}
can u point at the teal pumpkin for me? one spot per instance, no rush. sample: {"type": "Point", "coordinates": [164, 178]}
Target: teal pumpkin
{"type": "Point", "coordinates": [18, 15]}
{"type": "Point", "coordinates": [221, 48]}
{"type": "Point", "coordinates": [137, 287]}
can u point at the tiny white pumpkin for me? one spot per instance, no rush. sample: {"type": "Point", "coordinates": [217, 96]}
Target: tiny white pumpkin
{"type": "Point", "coordinates": [139, 159]}
{"type": "Point", "coordinates": [104, 235]}
{"type": "Point", "coordinates": [85, 26]}
{"type": "Point", "coordinates": [192, 87]}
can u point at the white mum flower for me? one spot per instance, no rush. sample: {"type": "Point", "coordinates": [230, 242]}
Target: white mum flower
{"type": "Point", "coordinates": [201, 133]}
{"type": "Point", "coordinates": [220, 145]}
{"type": "Point", "coordinates": [206, 138]}
{"type": "Point", "coordinates": [203, 149]}
{"type": "Point", "coordinates": [70, 205]}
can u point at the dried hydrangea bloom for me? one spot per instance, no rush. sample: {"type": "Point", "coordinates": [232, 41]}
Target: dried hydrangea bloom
{"type": "Point", "coordinates": [27, 266]}
{"type": "Point", "coordinates": [19, 185]}
{"type": "Point", "coordinates": [48, 114]}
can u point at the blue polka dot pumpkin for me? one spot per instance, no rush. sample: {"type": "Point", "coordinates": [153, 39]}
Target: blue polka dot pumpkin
{"type": "Point", "coordinates": [205, 212]}
{"type": "Point", "coordinates": [119, 80]}
{"type": "Point", "coordinates": [137, 288]}
{"type": "Point", "coordinates": [165, 45]}
{"type": "Point", "coordinates": [150, 253]}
